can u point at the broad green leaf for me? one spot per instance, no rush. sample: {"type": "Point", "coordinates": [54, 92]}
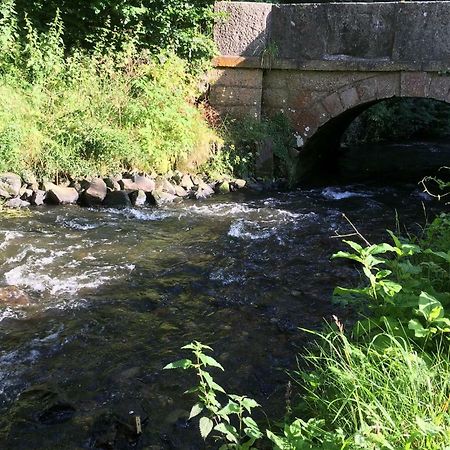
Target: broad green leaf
{"type": "Point", "coordinates": [211, 383]}
{"type": "Point", "coordinates": [209, 361]}
{"type": "Point", "coordinates": [252, 429]}
{"type": "Point", "coordinates": [419, 330]}
{"type": "Point", "coordinates": [347, 255]}
{"type": "Point", "coordinates": [229, 431]}
{"type": "Point", "coordinates": [249, 404]}
{"type": "Point", "coordinates": [180, 364]}
{"type": "Point", "coordinates": [380, 248]}
{"type": "Point", "coordinates": [443, 255]}
{"type": "Point", "coordinates": [429, 307]}
{"type": "Point", "coordinates": [230, 408]}
{"type": "Point", "coordinates": [206, 425]}
{"type": "Point", "coordinates": [281, 443]}
{"type": "Point", "coordinates": [196, 410]}
{"type": "Point", "coordinates": [354, 245]}
{"type": "Point", "coordinates": [196, 346]}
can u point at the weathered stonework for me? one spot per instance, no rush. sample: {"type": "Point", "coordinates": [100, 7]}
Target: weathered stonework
{"type": "Point", "coordinates": [323, 63]}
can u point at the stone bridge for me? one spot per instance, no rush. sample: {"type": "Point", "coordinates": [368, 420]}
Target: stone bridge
{"type": "Point", "coordinates": [322, 64]}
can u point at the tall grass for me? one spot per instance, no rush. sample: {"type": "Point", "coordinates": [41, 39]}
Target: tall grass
{"type": "Point", "coordinates": [82, 114]}
{"type": "Point", "coordinates": [386, 394]}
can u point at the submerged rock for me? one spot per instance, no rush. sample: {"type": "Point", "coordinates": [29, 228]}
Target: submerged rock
{"type": "Point", "coordinates": [13, 296]}
{"type": "Point", "coordinates": [110, 431]}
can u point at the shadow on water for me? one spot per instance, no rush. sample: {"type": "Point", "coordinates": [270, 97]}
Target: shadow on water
{"type": "Point", "coordinates": [115, 294]}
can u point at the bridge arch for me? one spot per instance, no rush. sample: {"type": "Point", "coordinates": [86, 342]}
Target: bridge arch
{"type": "Point", "coordinates": [321, 125]}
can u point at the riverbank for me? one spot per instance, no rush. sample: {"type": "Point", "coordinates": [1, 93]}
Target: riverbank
{"type": "Point", "coordinates": [120, 191]}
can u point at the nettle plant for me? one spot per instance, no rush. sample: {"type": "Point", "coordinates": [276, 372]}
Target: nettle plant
{"type": "Point", "coordinates": [408, 287]}
{"type": "Point", "coordinates": [226, 417]}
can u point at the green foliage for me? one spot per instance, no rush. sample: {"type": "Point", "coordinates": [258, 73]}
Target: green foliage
{"type": "Point", "coordinates": [244, 139]}
{"type": "Point", "coordinates": [183, 26]}
{"type": "Point", "coordinates": [410, 290]}
{"type": "Point", "coordinates": [382, 394]}
{"type": "Point", "coordinates": [400, 119]}
{"type": "Point", "coordinates": [229, 420]}
{"type": "Point", "coordinates": [92, 114]}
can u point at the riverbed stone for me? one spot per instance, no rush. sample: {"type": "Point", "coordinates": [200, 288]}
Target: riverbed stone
{"type": "Point", "coordinates": [223, 187]}
{"type": "Point", "coordinates": [203, 191]}
{"type": "Point", "coordinates": [239, 183]}
{"type": "Point", "coordinates": [144, 183]}
{"type": "Point", "coordinates": [186, 182]}
{"type": "Point", "coordinates": [127, 184]}
{"type": "Point", "coordinates": [16, 202]}
{"type": "Point", "coordinates": [10, 185]}
{"type": "Point", "coordinates": [180, 191]}
{"type": "Point", "coordinates": [162, 184]}
{"type": "Point", "coordinates": [95, 193]}
{"type": "Point", "coordinates": [37, 197]}
{"type": "Point", "coordinates": [112, 182]}
{"type": "Point", "coordinates": [13, 296]}
{"type": "Point", "coordinates": [59, 195]}
{"type": "Point", "coordinates": [117, 199]}
{"type": "Point", "coordinates": [138, 198]}
{"type": "Point", "coordinates": [25, 194]}
{"type": "Point", "coordinates": [159, 197]}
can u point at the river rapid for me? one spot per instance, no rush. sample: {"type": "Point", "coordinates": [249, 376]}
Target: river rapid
{"type": "Point", "coordinates": [116, 293]}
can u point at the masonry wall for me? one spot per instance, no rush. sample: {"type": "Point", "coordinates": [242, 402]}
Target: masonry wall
{"type": "Point", "coordinates": [290, 57]}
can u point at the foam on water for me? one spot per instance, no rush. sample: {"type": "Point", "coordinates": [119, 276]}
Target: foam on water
{"type": "Point", "coordinates": [244, 229]}
{"type": "Point", "coordinates": [339, 194]}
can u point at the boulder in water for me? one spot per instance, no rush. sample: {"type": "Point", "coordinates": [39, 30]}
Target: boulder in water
{"type": "Point", "coordinates": [10, 185]}
{"type": "Point", "coordinates": [95, 193]}
{"type": "Point", "coordinates": [16, 203]}
{"type": "Point", "coordinates": [159, 197]}
{"type": "Point", "coordinates": [59, 195]}
{"type": "Point", "coordinates": [117, 199]}
{"type": "Point", "coordinates": [13, 296]}
{"type": "Point", "coordinates": [138, 198]}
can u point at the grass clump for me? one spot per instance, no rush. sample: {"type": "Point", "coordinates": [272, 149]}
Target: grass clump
{"type": "Point", "coordinates": [95, 113]}
{"type": "Point", "coordinates": [382, 394]}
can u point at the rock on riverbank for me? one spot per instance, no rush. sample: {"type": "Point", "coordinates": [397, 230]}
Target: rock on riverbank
{"type": "Point", "coordinates": [126, 190]}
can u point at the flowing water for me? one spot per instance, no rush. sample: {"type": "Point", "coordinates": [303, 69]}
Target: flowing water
{"type": "Point", "coordinates": [116, 293]}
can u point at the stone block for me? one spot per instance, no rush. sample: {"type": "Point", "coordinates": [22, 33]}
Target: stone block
{"type": "Point", "coordinates": [237, 77]}
{"type": "Point", "coordinates": [234, 96]}
{"type": "Point", "coordinates": [414, 84]}
{"type": "Point", "coordinates": [264, 159]}
{"type": "Point", "coordinates": [239, 111]}
{"type": "Point", "coordinates": [349, 97]}
{"type": "Point", "coordinates": [244, 29]}
{"type": "Point", "coordinates": [333, 105]}
{"type": "Point", "coordinates": [388, 85]}
{"type": "Point", "coordinates": [367, 90]}
{"type": "Point", "coordinates": [439, 88]}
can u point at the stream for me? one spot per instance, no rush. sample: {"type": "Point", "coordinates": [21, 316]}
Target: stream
{"type": "Point", "coordinates": [116, 293]}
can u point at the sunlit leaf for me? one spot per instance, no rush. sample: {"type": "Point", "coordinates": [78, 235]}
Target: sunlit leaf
{"type": "Point", "coordinates": [206, 425]}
